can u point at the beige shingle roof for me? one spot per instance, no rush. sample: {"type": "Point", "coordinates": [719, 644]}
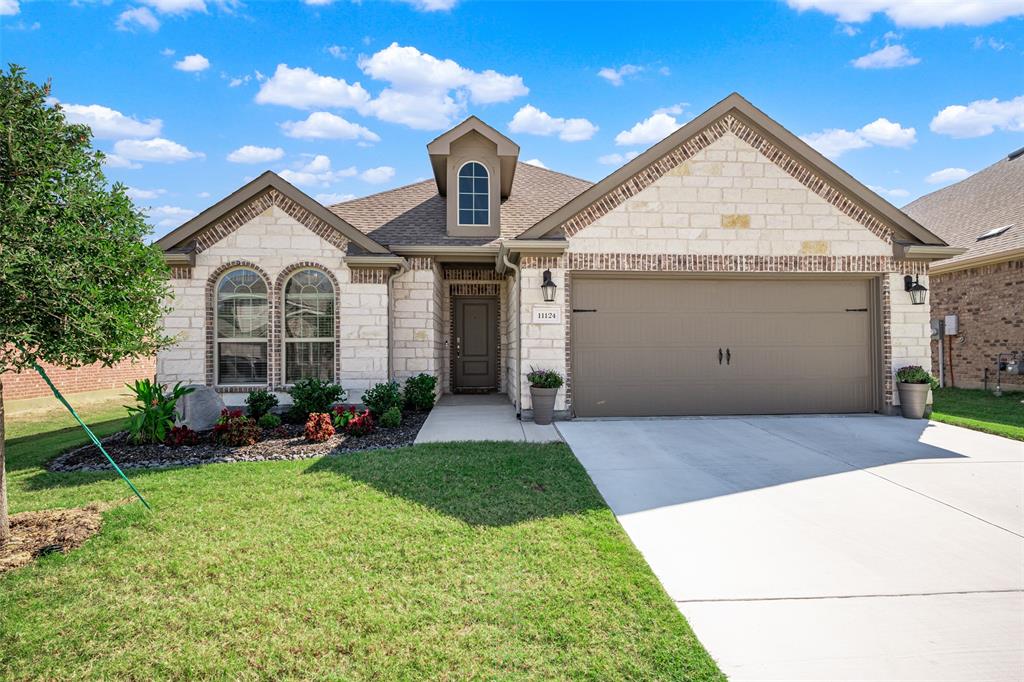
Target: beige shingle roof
{"type": "Point", "coordinates": [415, 214]}
{"type": "Point", "coordinates": [961, 213]}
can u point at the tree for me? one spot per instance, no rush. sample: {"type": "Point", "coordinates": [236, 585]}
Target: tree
{"type": "Point", "coordinates": [78, 283]}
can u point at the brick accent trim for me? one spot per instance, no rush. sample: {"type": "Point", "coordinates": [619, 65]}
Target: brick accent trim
{"type": "Point", "coordinates": [420, 263]}
{"type": "Point", "coordinates": [275, 374]}
{"type": "Point", "coordinates": [474, 288]}
{"type": "Point", "coordinates": [211, 311]}
{"type": "Point", "coordinates": [476, 274]}
{"type": "Point", "coordinates": [369, 275]}
{"type": "Point", "coordinates": [799, 171]}
{"type": "Point", "coordinates": [887, 385]}
{"type": "Point", "coordinates": [181, 272]}
{"type": "Point", "coordinates": [260, 203]}
{"type": "Point", "coordinates": [660, 262]}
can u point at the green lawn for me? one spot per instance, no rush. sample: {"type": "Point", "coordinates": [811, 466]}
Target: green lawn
{"type": "Point", "coordinates": [980, 410]}
{"type": "Point", "coordinates": [435, 562]}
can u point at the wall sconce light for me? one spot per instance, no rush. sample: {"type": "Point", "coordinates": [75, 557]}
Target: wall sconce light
{"type": "Point", "coordinates": [548, 287]}
{"type": "Point", "coordinates": [916, 290]}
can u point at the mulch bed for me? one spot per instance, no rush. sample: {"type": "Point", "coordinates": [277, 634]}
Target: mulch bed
{"type": "Point", "coordinates": [292, 446]}
{"type": "Point", "coordinates": [38, 533]}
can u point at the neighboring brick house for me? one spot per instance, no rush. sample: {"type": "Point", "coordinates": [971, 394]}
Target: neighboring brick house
{"type": "Point", "coordinates": [984, 286]}
{"type": "Point", "coordinates": [28, 384]}
{"type": "Point", "coordinates": [728, 269]}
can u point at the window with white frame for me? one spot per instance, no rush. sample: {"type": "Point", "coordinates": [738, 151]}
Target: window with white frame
{"type": "Point", "coordinates": [241, 328]}
{"type": "Point", "coordinates": [474, 194]}
{"type": "Point", "coordinates": [308, 327]}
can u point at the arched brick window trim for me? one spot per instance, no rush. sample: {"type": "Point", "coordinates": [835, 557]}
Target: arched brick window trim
{"type": "Point", "coordinates": [211, 312]}
{"type": "Point", "coordinates": [276, 372]}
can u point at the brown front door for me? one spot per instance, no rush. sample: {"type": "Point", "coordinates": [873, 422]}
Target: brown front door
{"type": "Point", "coordinates": [476, 344]}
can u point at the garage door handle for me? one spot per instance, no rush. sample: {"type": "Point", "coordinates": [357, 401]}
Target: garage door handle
{"type": "Point", "coordinates": [719, 356]}
{"type": "Point", "coordinates": [728, 356]}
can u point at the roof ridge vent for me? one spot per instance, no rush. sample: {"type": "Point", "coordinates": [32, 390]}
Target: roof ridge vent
{"type": "Point", "coordinates": [995, 232]}
{"type": "Point", "coordinates": [1013, 155]}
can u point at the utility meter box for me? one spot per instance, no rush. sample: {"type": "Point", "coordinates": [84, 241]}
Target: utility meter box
{"type": "Point", "coordinates": [952, 325]}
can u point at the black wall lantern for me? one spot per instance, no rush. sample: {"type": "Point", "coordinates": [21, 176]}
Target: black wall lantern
{"type": "Point", "coordinates": [916, 290]}
{"type": "Point", "coordinates": [548, 287]}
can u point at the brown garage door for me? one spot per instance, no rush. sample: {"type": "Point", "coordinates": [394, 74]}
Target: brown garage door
{"type": "Point", "coordinates": [649, 347]}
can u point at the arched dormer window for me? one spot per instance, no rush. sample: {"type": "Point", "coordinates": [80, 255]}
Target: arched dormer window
{"type": "Point", "coordinates": [308, 327]}
{"type": "Point", "coordinates": [474, 194]}
{"type": "Point", "coordinates": [241, 326]}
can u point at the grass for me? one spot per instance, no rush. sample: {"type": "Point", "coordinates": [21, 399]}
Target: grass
{"type": "Point", "coordinates": [492, 560]}
{"type": "Point", "coordinates": [981, 411]}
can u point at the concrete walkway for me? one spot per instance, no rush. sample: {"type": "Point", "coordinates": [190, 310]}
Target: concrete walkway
{"type": "Point", "coordinates": [490, 416]}
{"type": "Point", "coordinates": [826, 548]}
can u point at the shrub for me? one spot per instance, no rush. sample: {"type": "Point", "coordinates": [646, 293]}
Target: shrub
{"type": "Point", "coordinates": [391, 418]}
{"type": "Point", "coordinates": [235, 429]}
{"type": "Point", "coordinates": [319, 427]}
{"type": "Point", "coordinates": [419, 392]}
{"type": "Point", "coordinates": [280, 432]}
{"type": "Point", "coordinates": [269, 421]}
{"type": "Point", "coordinates": [544, 378]}
{"type": "Point", "coordinates": [360, 424]}
{"type": "Point", "coordinates": [341, 415]}
{"type": "Point", "coordinates": [182, 435]}
{"type": "Point", "coordinates": [313, 395]}
{"type": "Point", "coordinates": [153, 418]}
{"type": "Point", "coordinates": [915, 374]}
{"type": "Point", "coordinates": [260, 402]}
{"type": "Point", "coordinates": [383, 397]}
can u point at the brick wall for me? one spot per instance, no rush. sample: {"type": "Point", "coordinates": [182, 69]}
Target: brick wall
{"type": "Point", "coordinates": [28, 384]}
{"type": "Point", "coordinates": [989, 301]}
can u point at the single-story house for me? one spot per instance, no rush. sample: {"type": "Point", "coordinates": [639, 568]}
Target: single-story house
{"type": "Point", "coordinates": [984, 286]}
{"type": "Point", "coordinates": [729, 269]}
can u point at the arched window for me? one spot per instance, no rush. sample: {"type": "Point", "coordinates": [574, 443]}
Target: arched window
{"type": "Point", "coordinates": [308, 327]}
{"type": "Point", "coordinates": [474, 195]}
{"type": "Point", "coordinates": [241, 328]}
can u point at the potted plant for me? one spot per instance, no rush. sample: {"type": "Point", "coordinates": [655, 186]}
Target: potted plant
{"type": "Point", "coordinates": [544, 385]}
{"type": "Point", "coordinates": [913, 384]}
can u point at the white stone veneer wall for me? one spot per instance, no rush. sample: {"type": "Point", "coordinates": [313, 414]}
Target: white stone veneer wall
{"type": "Point", "coordinates": [511, 358]}
{"type": "Point", "coordinates": [910, 330]}
{"type": "Point", "coordinates": [543, 344]}
{"type": "Point", "coordinates": [415, 326]}
{"type": "Point", "coordinates": [273, 241]}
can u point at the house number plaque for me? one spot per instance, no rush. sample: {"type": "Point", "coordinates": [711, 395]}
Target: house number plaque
{"type": "Point", "coordinates": [547, 315]}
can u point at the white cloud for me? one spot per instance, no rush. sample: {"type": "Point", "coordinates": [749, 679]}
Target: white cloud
{"type": "Point", "coordinates": [168, 216]}
{"type": "Point", "coordinates": [22, 26]}
{"type": "Point", "coordinates": [192, 63]}
{"type": "Point", "coordinates": [616, 76]}
{"type": "Point", "coordinates": [533, 121]}
{"type": "Point", "coordinates": [337, 51]}
{"type": "Point", "coordinates": [176, 6]}
{"type": "Point", "coordinates": [847, 30]}
{"type": "Point", "coordinates": [111, 160]}
{"type": "Point", "coordinates": [834, 142]}
{"type": "Point", "coordinates": [329, 198]}
{"type": "Point", "coordinates": [241, 80]}
{"type": "Point", "coordinates": [167, 52]}
{"type": "Point", "coordinates": [535, 162]}
{"type": "Point", "coordinates": [303, 88]}
{"type": "Point", "coordinates": [316, 173]}
{"type": "Point", "coordinates": [377, 175]}
{"type": "Point", "coordinates": [895, 193]}
{"type": "Point", "coordinates": [425, 92]}
{"type": "Point", "coordinates": [253, 154]}
{"type": "Point", "coordinates": [947, 175]}
{"type": "Point", "coordinates": [617, 159]}
{"type": "Point", "coordinates": [888, 57]}
{"type": "Point", "coordinates": [8, 8]}
{"type": "Point", "coordinates": [323, 125]}
{"type": "Point", "coordinates": [136, 17]}
{"type": "Point", "coordinates": [659, 125]}
{"type": "Point", "coordinates": [203, 195]}
{"type": "Point", "coordinates": [431, 5]}
{"type": "Point", "coordinates": [917, 13]}
{"type": "Point", "coordinates": [157, 150]}
{"type": "Point", "coordinates": [107, 123]}
{"type": "Point", "coordinates": [981, 117]}
{"type": "Point", "coordinates": [993, 43]}
{"type": "Point", "coordinates": [137, 194]}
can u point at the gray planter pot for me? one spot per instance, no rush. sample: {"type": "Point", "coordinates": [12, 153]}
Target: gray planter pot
{"type": "Point", "coordinates": [913, 399]}
{"type": "Point", "coordinates": [543, 400]}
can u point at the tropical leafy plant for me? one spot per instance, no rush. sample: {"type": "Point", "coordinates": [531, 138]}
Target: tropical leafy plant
{"type": "Point", "coordinates": [152, 419]}
{"type": "Point", "coordinates": [260, 402]}
{"type": "Point", "coordinates": [319, 427]}
{"type": "Point", "coordinates": [182, 435]}
{"type": "Point", "coordinates": [383, 397]}
{"type": "Point", "coordinates": [361, 424]}
{"type": "Point", "coordinates": [544, 378]}
{"type": "Point", "coordinates": [419, 392]}
{"type": "Point", "coordinates": [235, 429]}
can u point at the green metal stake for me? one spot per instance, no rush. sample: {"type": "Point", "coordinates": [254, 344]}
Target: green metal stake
{"type": "Point", "coordinates": [95, 440]}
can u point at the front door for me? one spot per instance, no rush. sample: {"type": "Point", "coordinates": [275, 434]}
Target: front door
{"type": "Point", "coordinates": [476, 344]}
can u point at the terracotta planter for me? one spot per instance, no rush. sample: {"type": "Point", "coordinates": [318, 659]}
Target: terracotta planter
{"type": "Point", "coordinates": [913, 399]}
{"type": "Point", "coordinates": [543, 400]}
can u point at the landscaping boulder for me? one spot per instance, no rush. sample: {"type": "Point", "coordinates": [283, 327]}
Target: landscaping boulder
{"type": "Point", "coordinates": [199, 409]}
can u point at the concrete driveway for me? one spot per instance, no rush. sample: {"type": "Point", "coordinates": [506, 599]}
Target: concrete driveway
{"type": "Point", "coordinates": [826, 548]}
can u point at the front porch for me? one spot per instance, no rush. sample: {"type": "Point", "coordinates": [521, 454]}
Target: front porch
{"type": "Point", "coordinates": [481, 417]}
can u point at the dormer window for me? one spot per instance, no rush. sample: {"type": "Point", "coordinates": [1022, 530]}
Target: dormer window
{"type": "Point", "coordinates": [474, 194]}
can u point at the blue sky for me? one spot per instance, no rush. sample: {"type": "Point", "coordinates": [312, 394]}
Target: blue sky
{"type": "Point", "coordinates": [194, 97]}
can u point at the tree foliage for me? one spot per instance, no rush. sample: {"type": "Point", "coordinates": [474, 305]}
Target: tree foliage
{"type": "Point", "coordinates": [78, 283]}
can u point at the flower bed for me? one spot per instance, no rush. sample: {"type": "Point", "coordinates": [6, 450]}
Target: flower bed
{"type": "Point", "coordinates": [285, 442]}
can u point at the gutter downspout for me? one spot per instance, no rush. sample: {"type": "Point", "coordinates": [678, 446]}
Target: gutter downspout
{"type": "Point", "coordinates": [402, 269]}
{"type": "Point", "coordinates": [519, 330]}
